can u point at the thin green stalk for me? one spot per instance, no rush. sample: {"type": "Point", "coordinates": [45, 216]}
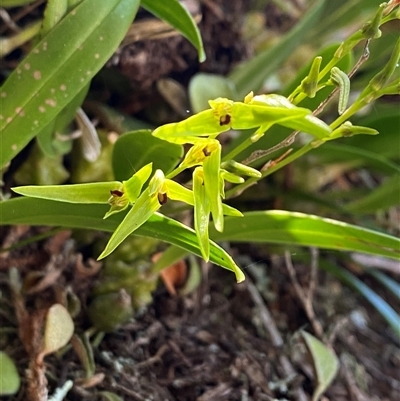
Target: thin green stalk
{"type": "Point", "coordinates": [241, 187]}
{"type": "Point", "coordinates": [241, 147]}
{"type": "Point", "coordinates": [175, 172]}
{"type": "Point", "coordinates": [347, 114]}
{"type": "Point", "coordinates": [326, 70]}
{"type": "Point", "coordinates": [7, 45]}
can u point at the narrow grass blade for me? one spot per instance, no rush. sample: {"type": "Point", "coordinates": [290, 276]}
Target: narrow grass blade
{"type": "Point", "coordinates": [386, 311]}
{"type": "Point", "coordinates": [292, 228]}
{"type": "Point", "coordinates": [173, 12]}
{"type": "Point", "coordinates": [41, 212]}
{"type": "Point", "coordinates": [251, 74]}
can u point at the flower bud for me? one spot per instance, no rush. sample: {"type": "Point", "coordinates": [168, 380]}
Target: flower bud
{"type": "Point", "coordinates": [107, 312]}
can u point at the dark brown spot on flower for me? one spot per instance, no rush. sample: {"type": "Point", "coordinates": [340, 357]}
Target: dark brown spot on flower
{"type": "Point", "coordinates": [206, 152]}
{"type": "Point", "coordinates": [116, 192]}
{"type": "Point", "coordinates": [225, 120]}
{"type": "Point", "coordinates": [162, 198]}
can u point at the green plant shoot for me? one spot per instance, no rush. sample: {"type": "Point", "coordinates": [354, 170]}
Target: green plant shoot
{"type": "Point", "coordinates": [260, 112]}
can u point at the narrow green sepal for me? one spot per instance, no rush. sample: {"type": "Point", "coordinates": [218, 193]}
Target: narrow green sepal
{"type": "Point", "coordinates": [231, 211]}
{"type": "Point", "coordinates": [347, 129]}
{"type": "Point", "coordinates": [309, 84]}
{"type": "Point", "coordinates": [382, 77]}
{"type": "Point", "coordinates": [201, 212]}
{"type": "Point", "coordinates": [239, 168]}
{"type": "Point", "coordinates": [145, 206]}
{"type": "Point", "coordinates": [201, 124]}
{"type": "Point", "coordinates": [212, 183]}
{"type": "Point", "coordinates": [134, 185]}
{"type": "Point", "coordinates": [230, 177]}
{"type": "Point", "coordinates": [221, 186]}
{"type": "Point", "coordinates": [176, 191]}
{"type": "Point", "coordinates": [287, 114]}
{"type": "Point", "coordinates": [98, 192]}
{"type": "Point", "coordinates": [371, 29]}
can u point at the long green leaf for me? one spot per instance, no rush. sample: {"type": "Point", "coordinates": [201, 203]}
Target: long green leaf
{"type": "Point", "coordinates": [356, 157]}
{"type": "Point", "coordinates": [386, 281]}
{"type": "Point", "coordinates": [292, 228]}
{"type": "Point", "coordinates": [61, 64]}
{"type": "Point", "coordinates": [34, 211]}
{"type": "Point", "coordinates": [14, 3]}
{"type": "Point", "coordinates": [387, 312]}
{"type": "Point", "coordinates": [175, 14]}
{"type": "Point", "coordinates": [135, 149]}
{"type": "Point", "coordinates": [339, 13]}
{"type": "Point", "coordinates": [381, 198]}
{"type": "Point", "coordinates": [386, 120]}
{"type": "Point", "coordinates": [251, 74]}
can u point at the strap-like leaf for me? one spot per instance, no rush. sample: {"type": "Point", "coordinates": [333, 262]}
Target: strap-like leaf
{"type": "Point", "coordinates": [61, 64]}
{"type": "Point", "coordinates": [175, 13]}
{"type": "Point", "coordinates": [251, 74]}
{"type": "Point", "coordinates": [33, 211]}
{"type": "Point", "coordinates": [293, 228]}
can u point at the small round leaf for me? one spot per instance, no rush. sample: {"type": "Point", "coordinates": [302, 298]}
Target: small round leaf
{"type": "Point", "coordinates": [58, 330]}
{"type": "Point", "coordinates": [9, 377]}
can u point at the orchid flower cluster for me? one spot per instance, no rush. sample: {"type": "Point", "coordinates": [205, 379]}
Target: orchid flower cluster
{"type": "Point", "coordinates": [209, 174]}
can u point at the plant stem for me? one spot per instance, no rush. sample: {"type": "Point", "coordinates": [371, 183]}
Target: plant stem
{"type": "Point", "coordinates": [241, 187]}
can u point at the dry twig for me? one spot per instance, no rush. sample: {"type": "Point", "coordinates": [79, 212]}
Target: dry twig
{"type": "Point", "coordinates": [276, 338]}
{"type": "Point", "coordinates": [306, 297]}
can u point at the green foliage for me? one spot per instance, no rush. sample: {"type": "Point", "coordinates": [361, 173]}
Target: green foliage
{"type": "Point", "coordinates": [385, 310]}
{"type": "Point", "coordinates": [251, 74]}
{"type": "Point", "coordinates": [282, 227]}
{"type": "Point", "coordinates": [47, 79]}
{"type": "Point", "coordinates": [84, 350]}
{"type": "Point", "coordinates": [9, 377]}
{"type": "Point", "coordinates": [46, 89]}
{"type": "Point", "coordinates": [326, 363]}
{"type": "Point", "coordinates": [382, 198]}
{"type": "Point", "coordinates": [203, 87]}
{"type": "Point", "coordinates": [53, 213]}
{"type": "Point", "coordinates": [164, 156]}
{"type": "Point", "coordinates": [176, 14]}
{"type": "Point", "coordinates": [14, 3]}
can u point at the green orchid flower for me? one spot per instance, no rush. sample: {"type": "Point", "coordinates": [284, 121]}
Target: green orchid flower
{"type": "Point", "coordinates": [202, 207]}
{"type": "Point", "coordinates": [260, 112]}
{"type": "Point", "coordinates": [208, 187]}
{"type": "Point", "coordinates": [159, 191]}
{"type": "Point", "coordinates": [122, 193]}
{"type": "Point", "coordinates": [128, 191]}
{"type": "Point", "coordinates": [207, 153]}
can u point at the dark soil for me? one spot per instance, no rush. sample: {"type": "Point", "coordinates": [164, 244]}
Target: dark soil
{"type": "Point", "coordinates": [224, 341]}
